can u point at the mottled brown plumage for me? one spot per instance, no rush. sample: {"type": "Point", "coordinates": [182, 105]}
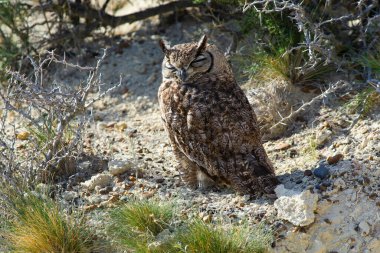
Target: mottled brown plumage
{"type": "Point", "coordinates": [212, 128]}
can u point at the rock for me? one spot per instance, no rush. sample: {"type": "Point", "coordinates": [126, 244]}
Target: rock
{"type": "Point", "coordinates": [148, 194]}
{"type": "Point", "coordinates": [89, 208]}
{"type": "Point", "coordinates": [86, 165]}
{"type": "Point", "coordinates": [339, 183]}
{"type": "Point", "coordinates": [308, 173]}
{"type": "Point", "coordinates": [322, 137]}
{"type": "Point", "coordinates": [101, 180]}
{"type": "Point", "coordinates": [70, 195]}
{"type": "Point", "coordinates": [295, 207]}
{"type": "Point", "coordinates": [160, 180]}
{"type": "Point", "coordinates": [105, 190]}
{"type": "Point", "coordinates": [23, 135]}
{"type": "Point", "coordinates": [121, 126]}
{"type": "Point", "coordinates": [283, 146]}
{"type": "Point", "coordinates": [117, 167]}
{"type": "Point", "coordinates": [334, 159]}
{"type": "Point", "coordinates": [321, 172]}
{"type": "Point", "coordinates": [364, 228]}
{"type": "Point", "coordinates": [95, 199]}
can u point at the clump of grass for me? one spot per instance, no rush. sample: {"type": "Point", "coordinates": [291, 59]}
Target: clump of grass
{"type": "Point", "coordinates": [311, 150]}
{"type": "Point", "coordinates": [148, 226]}
{"type": "Point", "coordinates": [136, 224]}
{"type": "Point", "coordinates": [39, 225]}
{"type": "Point", "coordinates": [208, 238]}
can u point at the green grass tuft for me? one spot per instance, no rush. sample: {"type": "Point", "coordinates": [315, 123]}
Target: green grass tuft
{"type": "Point", "coordinates": [39, 225]}
{"type": "Point", "coordinates": [136, 224]}
{"type": "Point", "coordinates": [208, 238]}
{"type": "Point", "coordinates": [148, 226]}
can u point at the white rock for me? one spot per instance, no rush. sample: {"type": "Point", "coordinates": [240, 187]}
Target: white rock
{"type": "Point", "coordinates": [339, 183]}
{"type": "Point", "coordinates": [117, 167]}
{"type": "Point", "coordinates": [70, 195]}
{"type": "Point", "coordinates": [364, 228]}
{"type": "Point", "coordinates": [99, 179]}
{"type": "Point", "coordinates": [323, 136]}
{"type": "Point", "coordinates": [295, 207]}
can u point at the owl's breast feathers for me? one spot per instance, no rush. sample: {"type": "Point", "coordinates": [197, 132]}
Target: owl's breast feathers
{"type": "Point", "coordinates": [212, 120]}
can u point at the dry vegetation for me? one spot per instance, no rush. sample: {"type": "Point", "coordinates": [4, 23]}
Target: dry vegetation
{"type": "Point", "coordinates": [327, 47]}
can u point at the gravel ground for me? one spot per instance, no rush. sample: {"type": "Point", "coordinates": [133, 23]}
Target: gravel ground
{"type": "Point", "coordinates": [339, 169]}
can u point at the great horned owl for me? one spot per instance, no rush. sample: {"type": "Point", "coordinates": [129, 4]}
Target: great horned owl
{"type": "Point", "coordinates": [212, 128]}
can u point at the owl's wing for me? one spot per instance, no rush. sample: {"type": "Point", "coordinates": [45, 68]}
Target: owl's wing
{"type": "Point", "coordinates": [222, 133]}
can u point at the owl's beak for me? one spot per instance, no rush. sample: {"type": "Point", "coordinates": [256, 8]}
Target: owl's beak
{"type": "Point", "coordinates": [181, 73]}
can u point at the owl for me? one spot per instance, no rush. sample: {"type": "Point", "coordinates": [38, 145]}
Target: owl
{"type": "Point", "coordinates": [211, 126]}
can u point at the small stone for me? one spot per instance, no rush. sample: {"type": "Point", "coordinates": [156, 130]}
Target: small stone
{"type": "Point", "coordinates": [321, 172]}
{"type": "Point", "coordinates": [308, 173]}
{"type": "Point", "coordinates": [105, 190]}
{"type": "Point", "coordinates": [89, 208]}
{"type": "Point", "coordinates": [70, 195]}
{"type": "Point", "coordinates": [149, 194]}
{"type": "Point", "coordinates": [373, 195]}
{"type": "Point", "coordinates": [110, 124]}
{"type": "Point", "coordinates": [339, 183]}
{"type": "Point", "coordinates": [23, 135]}
{"type": "Point", "coordinates": [334, 159]}
{"type": "Point", "coordinates": [364, 228]}
{"type": "Point", "coordinates": [132, 178]}
{"type": "Point", "coordinates": [283, 146]}
{"type": "Point", "coordinates": [124, 198]}
{"type": "Point", "coordinates": [121, 126]}
{"type": "Point", "coordinates": [117, 167]}
{"type": "Point", "coordinates": [160, 180]}
{"type": "Point", "coordinates": [101, 180]}
{"type": "Point", "coordinates": [323, 136]}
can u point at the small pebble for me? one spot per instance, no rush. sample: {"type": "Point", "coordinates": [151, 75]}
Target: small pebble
{"type": "Point", "coordinates": [321, 172]}
{"type": "Point", "coordinates": [308, 173]}
{"type": "Point", "coordinates": [334, 159]}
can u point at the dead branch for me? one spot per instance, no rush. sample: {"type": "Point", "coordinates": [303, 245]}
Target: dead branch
{"type": "Point", "coordinates": [286, 120]}
{"type": "Point", "coordinates": [102, 18]}
{"type": "Point", "coordinates": [51, 111]}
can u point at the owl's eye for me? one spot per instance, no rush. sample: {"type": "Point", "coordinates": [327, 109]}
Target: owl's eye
{"type": "Point", "coordinates": [199, 61]}
{"type": "Point", "coordinates": [169, 66]}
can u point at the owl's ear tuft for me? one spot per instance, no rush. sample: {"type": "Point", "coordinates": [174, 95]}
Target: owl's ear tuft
{"type": "Point", "coordinates": [164, 46]}
{"type": "Point", "coordinates": [201, 45]}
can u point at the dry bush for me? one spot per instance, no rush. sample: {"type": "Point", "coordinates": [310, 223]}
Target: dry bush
{"type": "Point", "coordinates": [42, 123]}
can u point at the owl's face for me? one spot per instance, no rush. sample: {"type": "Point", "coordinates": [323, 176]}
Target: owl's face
{"type": "Point", "coordinates": [186, 62]}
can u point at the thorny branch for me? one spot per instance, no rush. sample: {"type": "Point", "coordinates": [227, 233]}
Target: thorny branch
{"type": "Point", "coordinates": [52, 111]}
{"type": "Point", "coordinates": [319, 39]}
{"type": "Point", "coordinates": [292, 115]}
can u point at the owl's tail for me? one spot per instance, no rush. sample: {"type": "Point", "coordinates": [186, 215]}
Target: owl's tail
{"type": "Point", "coordinates": [254, 177]}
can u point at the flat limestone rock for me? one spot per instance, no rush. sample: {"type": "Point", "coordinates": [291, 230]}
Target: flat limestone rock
{"type": "Point", "coordinates": [295, 207]}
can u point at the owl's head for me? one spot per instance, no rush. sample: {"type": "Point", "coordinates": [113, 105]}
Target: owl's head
{"type": "Point", "coordinates": [187, 62]}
